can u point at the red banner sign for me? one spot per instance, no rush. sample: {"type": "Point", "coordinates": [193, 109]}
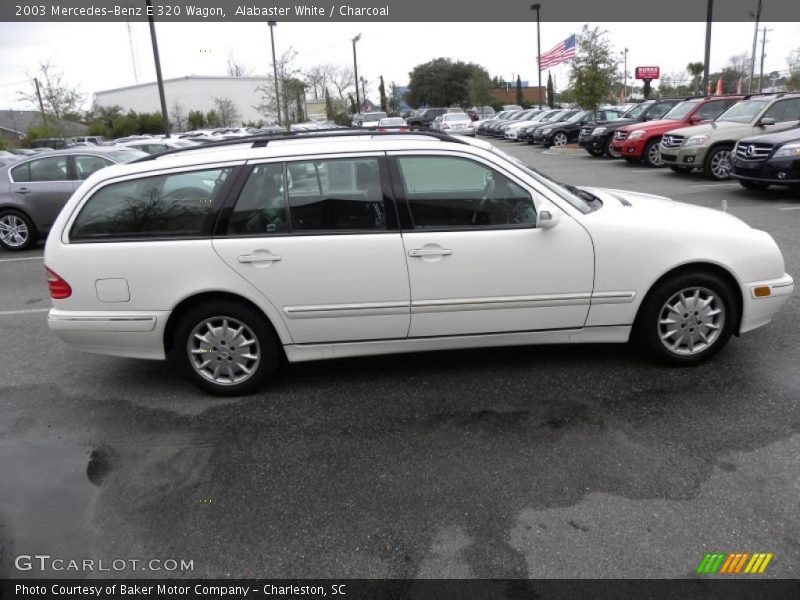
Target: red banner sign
{"type": "Point", "coordinates": [647, 72]}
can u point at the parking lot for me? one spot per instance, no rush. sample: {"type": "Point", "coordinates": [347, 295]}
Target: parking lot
{"type": "Point", "coordinates": [534, 462]}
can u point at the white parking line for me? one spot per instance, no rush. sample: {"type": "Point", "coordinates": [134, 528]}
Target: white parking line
{"type": "Point", "coordinates": [712, 184]}
{"type": "Point", "coordinates": [789, 208]}
{"type": "Point", "coordinates": [23, 311]}
{"type": "Point", "coordinates": [22, 258]}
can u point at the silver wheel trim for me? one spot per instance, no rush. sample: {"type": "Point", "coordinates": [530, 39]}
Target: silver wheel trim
{"type": "Point", "coordinates": [691, 321]}
{"type": "Point", "coordinates": [560, 139]}
{"type": "Point", "coordinates": [655, 155]}
{"type": "Point", "coordinates": [223, 350]}
{"type": "Point", "coordinates": [721, 164]}
{"type": "Point", "coordinates": [13, 231]}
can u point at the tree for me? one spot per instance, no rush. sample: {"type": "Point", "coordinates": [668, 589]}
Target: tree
{"type": "Point", "coordinates": [196, 119]}
{"type": "Point", "coordinates": [61, 101]}
{"type": "Point", "coordinates": [382, 92]}
{"type": "Point", "coordinates": [696, 70]}
{"type": "Point", "coordinates": [342, 79]}
{"type": "Point", "coordinates": [273, 99]}
{"type": "Point", "coordinates": [177, 115]}
{"type": "Point", "coordinates": [520, 97]}
{"type": "Point", "coordinates": [442, 82]}
{"type": "Point", "coordinates": [330, 113]}
{"type": "Point", "coordinates": [212, 119]}
{"type": "Point", "coordinates": [594, 68]}
{"type": "Point", "coordinates": [551, 100]}
{"type": "Point", "coordinates": [237, 69]}
{"type": "Point", "coordinates": [793, 60]}
{"type": "Point", "coordinates": [229, 115]}
{"type": "Point", "coordinates": [479, 88]}
{"type": "Point", "coordinates": [317, 78]}
{"type": "Point", "coordinates": [125, 125]}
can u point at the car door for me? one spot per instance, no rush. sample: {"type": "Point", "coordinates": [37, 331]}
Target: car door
{"type": "Point", "coordinates": [476, 260]}
{"type": "Point", "coordinates": [43, 186]}
{"type": "Point", "coordinates": [326, 250]}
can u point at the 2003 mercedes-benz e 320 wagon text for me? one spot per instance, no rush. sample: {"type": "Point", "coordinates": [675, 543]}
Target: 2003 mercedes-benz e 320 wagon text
{"type": "Point", "coordinates": [227, 257]}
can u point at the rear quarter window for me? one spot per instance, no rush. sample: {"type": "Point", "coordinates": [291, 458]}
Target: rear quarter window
{"type": "Point", "coordinates": [173, 205]}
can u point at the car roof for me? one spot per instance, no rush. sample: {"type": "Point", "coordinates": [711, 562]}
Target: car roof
{"type": "Point", "coordinates": [103, 150]}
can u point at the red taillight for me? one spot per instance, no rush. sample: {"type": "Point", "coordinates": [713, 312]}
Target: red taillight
{"type": "Point", "coordinates": [59, 289]}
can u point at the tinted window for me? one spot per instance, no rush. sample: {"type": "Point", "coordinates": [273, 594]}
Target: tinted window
{"type": "Point", "coordinates": [172, 205]}
{"type": "Point", "coordinates": [260, 208]}
{"type": "Point", "coordinates": [86, 165]}
{"type": "Point", "coordinates": [784, 110]}
{"type": "Point", "coordinates": [445, 192]}
{"type": "Point", "coordinates": [336, 194]}
{"type": "Point", "coordinates": [711, 110]}
{"type": "Point", "coordinates": [53, 168]}
{"type": "Point", "coordinates": [659, 110]}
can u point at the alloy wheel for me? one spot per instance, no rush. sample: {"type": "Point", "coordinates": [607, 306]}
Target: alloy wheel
{"type": "Point", "coordinates": [14, 231]}
{"type": "Point", "coordinates": [654, 155]}
{"type": "Point", "coordinates": [223, 350]}
{"type": "Point", "coordinates": [560, 139]}
{"type": "Point", "coordinates": [721, 164]}
{"type": "Point", "coordinates": [691, 321]}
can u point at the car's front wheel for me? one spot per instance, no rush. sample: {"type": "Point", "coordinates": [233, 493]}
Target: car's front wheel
{"type": "Point", "coordinates": [718, 163]}
{"type": "Point", "coordinates": [687, 318]}
{"type": "Point", "coordinates": [652, 154]}
{"type": "Point", "coordinates": [226, 348]}
{"type": "Point", "coordinates": [16, 231]}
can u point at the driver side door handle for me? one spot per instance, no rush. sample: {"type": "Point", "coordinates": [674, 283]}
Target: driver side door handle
{"type": "Point", "coordinates": [419, 252]}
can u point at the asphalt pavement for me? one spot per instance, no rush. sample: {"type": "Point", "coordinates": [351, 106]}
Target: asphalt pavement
{"type": "Point", "coordinates": [531, 462]}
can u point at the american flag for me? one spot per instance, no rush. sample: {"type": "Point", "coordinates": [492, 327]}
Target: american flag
{"type": "Point", "coordinates": [558, 54]}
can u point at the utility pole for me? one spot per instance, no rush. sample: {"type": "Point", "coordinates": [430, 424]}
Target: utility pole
{"type": "Point", "coordinates": [625, 80]}
{"type": "Point", "coordinates": [755, 39]}
{"type": "Point", "coordinates": [355, 73]}
{"type": "Point", "coordinates": [763, 44]}
{"type": "Point", "coordinates": [537, 8]}
{"type": "Point", "coordinates": [272, 24]}
{"type": "Point", "coordinates": [363, 91]}
{"type": "Point", "coordinates": [159, 78]}
{"type": "Point", "coordinates": [41, 104]}
{"type": "Point", "coordinates": [709, 18]}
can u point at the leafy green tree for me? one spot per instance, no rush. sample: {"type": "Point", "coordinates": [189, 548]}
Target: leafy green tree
{"type": "Point", "coordinates": [551, 100]}
{"type": "Point", "coordinates": [520, 98]}
{"type": "Point", "coordinates": [382, 92]}
{"type": "Point", "coordinates": [212, 119]}
{"type": "Point", "coordinates": [594, 68]}
{"type": "Point", "coordinates": [696, 70]}
{"type": "Point", "coordinates": [479, 89]}
{"type": "Point", "coordinates": [196, 119]}
{"type": "Point", "coordinates": [441, 82]}
{"type": "Point", "coordinates": [150, 123]}
{"type": "Point", "coordinates": [125, 125]}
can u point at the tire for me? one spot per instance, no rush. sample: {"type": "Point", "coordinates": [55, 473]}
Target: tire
{"type": "Point", "coordinates": [753, 185]}
{"type": "Point", "coordinates": [560, 139]}
{"type": "Point", "coordinates": [672, 332]}
{"type": "Point", "coordinates": [680, 169]}
{"type": "Point", "coordinates": [651, 155]}
{"type": "Point", "coordinates": [718, 163]}
{"type": "Point", "coordinates": [261, 356]}
{"type": "Point", "coordinates": [16, 231]}
{"type": "Point", "coordinates": [608, 151]}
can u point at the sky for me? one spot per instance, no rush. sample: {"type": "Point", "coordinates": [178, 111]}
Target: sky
{"type": "Point", "coordinates": [97, 56]}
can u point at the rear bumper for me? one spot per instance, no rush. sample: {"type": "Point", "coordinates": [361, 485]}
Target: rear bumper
{"type": "Point", "coordinates": [758, 311]}
{"type": "Point", "coordinates": [116, 333]}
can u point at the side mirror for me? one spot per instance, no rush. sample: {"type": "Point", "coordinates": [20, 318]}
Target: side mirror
{"type": "Point", "coordinates": [547, 217]}
{"type": "Point", "coordinates": [766, 121]}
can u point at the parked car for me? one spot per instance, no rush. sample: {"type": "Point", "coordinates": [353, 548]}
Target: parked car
{"type": "Point", "coordinates": [770, 159]}
{"type": "Point", "coordinates": [480, 125]}
{"type": "Point", "coordinates": [22, 151]}
{"type": "Point", "coordinates": [158, 145]}
{"type": "Point", "coordinates": [228, 270]}
{"type": "Point", "coordinates": [96, 140]}
{"type": "Point", "coordinates": [53, 143]}
{"type": "Point", "coordinates": [708, 147]}
{"type": "Point", "coordinates": [455, 124]}
{"type": "Point", "coordinates": [478, 113]}
{"type": "Point", "coordinates": [5, 154]}
{"type": "Point", "coordinates": [369, 120]}
{"type": "Point", "coordinates": [34, 189]}
{"type": "Point", "coordinates": [393, 124]}
{"type": "Point", "coordinates": [424, 119]}
{"type": "Point", "coordinates": [640, 142]}
{"type": "Point", "coordinates": [566, 131]}
{"type": "Point", "coordinates": [526, 128]}
{"type": "Point", "coordinates": [498, 129]}
{"type": "Point", "coordinates": [537, 135]}
{"type": "Point", "coordinates": [598, 139]}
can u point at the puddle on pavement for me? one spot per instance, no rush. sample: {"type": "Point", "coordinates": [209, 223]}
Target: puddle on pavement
{"type": "Point", "coordinates": [45, 498]}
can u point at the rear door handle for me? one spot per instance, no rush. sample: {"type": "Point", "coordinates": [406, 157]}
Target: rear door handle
{"type": "Point", "coordinates": [23, 191]}
{"type": "Point", "coordinates": [430, 252]}
{"type": "Point", "coordinates": [260, 257]}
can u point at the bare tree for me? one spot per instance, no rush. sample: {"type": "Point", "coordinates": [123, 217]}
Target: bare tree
{"type": "Point", "coordinates": [226, 111]}
{"type": "Point", "coordinates": [177, 116]}
{"type": "Point", "coordinates": [318, 78]}
{"type": "Point", "coordinates": [236, 68]}
{"type": "Point", "coordinates": [59, 100]}
{"type": "Point", "coordinates": [342, 79]}
{"type": "Point", "coordinates": [287, 77]}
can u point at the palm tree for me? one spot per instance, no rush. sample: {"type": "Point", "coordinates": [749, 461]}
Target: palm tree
{"type": "Point", "coordinates": [695, 69]}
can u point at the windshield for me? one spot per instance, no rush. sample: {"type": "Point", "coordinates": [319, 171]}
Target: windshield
{"type": "Point", "coordinates": [680, 110]}
{"type": "Point", "coordinates": [743, 112]}
{"type": "Point", "coordinates": [577, 116]}
{"type": "Point", "coordinates": [562, 190]}
{"type": "Point", "coordinates": [637, 110]}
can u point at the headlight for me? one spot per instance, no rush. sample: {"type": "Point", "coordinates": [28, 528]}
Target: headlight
{"type": "Point", "coordinates": [788, 150]}
{"type": "Point", "coordinates": [696, 140]}
{"type": "Point", "coordinates": [636, 135]}
{"type": "Point", "coordinates": [547, 131]}
{"type": "Point", "coordinates": [598, 130]}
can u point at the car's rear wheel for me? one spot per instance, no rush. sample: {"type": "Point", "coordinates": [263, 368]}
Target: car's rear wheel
{"type": "Point", "coordinates": [718, 163]}
{"type": "Point", "coordinates": [753, 185]}
{"type": "Point", "coordinates": [687, 318]}
{"type": "Point", "coordinates": [16, 231]}
{"type": "Point", "coordinates": [680, 169]}
{"type": "Point", "coordinates": [652, 154]}
{"type": "Point", "coordinates": [226, 348]}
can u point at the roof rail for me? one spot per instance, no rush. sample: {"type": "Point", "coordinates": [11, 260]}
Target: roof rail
{"type": "Point", "coordinates": [260, 140]}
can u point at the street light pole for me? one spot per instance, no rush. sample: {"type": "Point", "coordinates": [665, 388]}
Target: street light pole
{"type": "Point", "coordinates": [355, 73]}
{"type": "Point", "coordinates": [625, 76]}
{"type": "Point", "coordinates": [755, 41]}
{"type": "Point", "coordinates": [709, 17]}
{"type": "Point", "coordinates": [272, 25]}
{"type": "Point", "coordinates": [537, 8]}
{"type": "Point", "coordinates": [159, 78]}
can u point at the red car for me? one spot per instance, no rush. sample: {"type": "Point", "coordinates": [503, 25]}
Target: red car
{"type": "Point", "coordinates": [639, 142]}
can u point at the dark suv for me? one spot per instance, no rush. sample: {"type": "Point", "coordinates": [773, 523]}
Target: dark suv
{"type": "Point", "coordinates": [425, 118]}
{"type": "Point", "coordinates": [597, 139]}
{"type": "Point", "coordinates": [770, 159]}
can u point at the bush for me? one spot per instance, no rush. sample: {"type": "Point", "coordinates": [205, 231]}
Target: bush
{"type": "Point", "coordinates": [39, 131]}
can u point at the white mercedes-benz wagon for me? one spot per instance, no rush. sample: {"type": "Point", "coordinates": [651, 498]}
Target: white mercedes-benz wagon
{"type": "Point", "coordinates": [227, 258]}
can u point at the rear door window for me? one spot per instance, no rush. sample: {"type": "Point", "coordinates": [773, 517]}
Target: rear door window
{"type": "Point", "coordinates": [173, 205]}
{"type": "Point", "coordinates": [52, 168]}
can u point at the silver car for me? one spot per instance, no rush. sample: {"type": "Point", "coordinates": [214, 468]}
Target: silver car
{"type": "Point", "coordinates": [456, 123]}
{"type": "Point", "coordinates": [34, 189]}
